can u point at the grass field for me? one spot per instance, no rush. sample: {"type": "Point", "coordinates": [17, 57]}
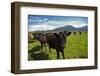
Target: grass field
{"type": "Point", "coordinates": [76, 48]}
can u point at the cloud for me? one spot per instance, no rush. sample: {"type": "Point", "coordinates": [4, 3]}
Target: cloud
{"type": "Point", "coordinates": [31, 21]}
{"type": "Point", "coordinates": [50, 25]}
{"type": "Point", "coordinates": [40, 27]}
{"type": "Point", "coordinates": [76, 23]}
{"type": "Point", "coordinates": [54, 23]}
{"type": "Point", "coordinates": [37, 20]}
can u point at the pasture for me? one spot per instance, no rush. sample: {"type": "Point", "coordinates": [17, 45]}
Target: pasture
{"type": "Point", "coordinates": [76, 48]}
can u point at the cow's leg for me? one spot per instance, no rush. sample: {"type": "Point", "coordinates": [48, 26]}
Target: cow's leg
{"type": "Point", "coordinates": [50, 49]}
{"type": "Point", "coordinates": [50, 53]}
{"type": "Point", "coordinates": [63, 54]}
{"type": "Point", "coordinates": [80, 33]}
{"type": "Point", "coordinates": [42, 46]}
{"type": "Point", "coordinates": [45, 46]}
{"type": "Point", "coordinates": [57, 54]}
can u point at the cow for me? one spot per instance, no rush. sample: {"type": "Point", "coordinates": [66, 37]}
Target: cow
{"type": "Point", "coordinates": [57, 41]}
{"type": "Point", "coordinates": [41, 37]}
{"type": "Point", "coordinates": [80, 33]}
{"type": "Point", "coordinates": [30, 36]}
{"type": "Point", "coordinates": [74, 33]}
{"type": "Point", "coordinates": [43, 40]}
{"type": "Point", "coordinates": [36, 36]}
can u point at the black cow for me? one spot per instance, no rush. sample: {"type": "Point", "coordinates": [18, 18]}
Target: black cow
{"type": "Point", "coordinates": [43, 40]}
{"type": "Point", "coordinates": [74, 33]}
{"type": "Point", "coordinates": [36, 36]}
{"type": "Point", "coordinates": [80, 33]}
{"type": "Point", "coordinates": [41, 37]}
{"type": "Point", "coordinates": [57, 41]}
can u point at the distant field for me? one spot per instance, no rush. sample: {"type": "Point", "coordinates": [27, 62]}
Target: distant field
{"type": "Point", "coordinates": [76, 48]}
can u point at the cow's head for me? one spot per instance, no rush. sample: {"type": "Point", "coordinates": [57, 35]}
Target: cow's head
{"type": "Point", "coordinates": [61, 39]}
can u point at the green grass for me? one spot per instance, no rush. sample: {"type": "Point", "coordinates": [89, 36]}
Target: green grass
{"type": "Point", "coordinates": [76, 48]}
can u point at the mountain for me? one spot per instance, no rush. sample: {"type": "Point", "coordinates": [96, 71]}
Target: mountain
{"type": "Point", "coordinates": [84, 28]}
{"type": "Point", "coordinates": [70, 28]}
{"type": "Point", "coordinates": [64, 28]}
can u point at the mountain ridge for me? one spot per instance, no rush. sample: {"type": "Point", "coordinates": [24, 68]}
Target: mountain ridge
{"type": "Point", "coordinates": [71, 28]}
{"type": "Point", "coordinates": [67, 28]}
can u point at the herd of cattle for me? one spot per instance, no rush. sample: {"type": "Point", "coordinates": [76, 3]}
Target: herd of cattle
{"type": "Point", "coordinates": [56, 40]}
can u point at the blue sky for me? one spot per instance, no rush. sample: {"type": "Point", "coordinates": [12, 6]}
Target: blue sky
{"type": "Point", "coordinates": [49, 22]}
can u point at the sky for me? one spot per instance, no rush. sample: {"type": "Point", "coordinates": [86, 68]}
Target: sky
{"type": "Point", "coordinates": [50, 22]}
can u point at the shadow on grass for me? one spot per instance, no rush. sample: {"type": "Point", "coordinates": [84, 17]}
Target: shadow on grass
{"type": "Point", "coordinates": [37, 54]}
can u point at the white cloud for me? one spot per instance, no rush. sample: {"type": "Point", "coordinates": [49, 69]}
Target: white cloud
{"type": "Point", "coordinates": [43, 27]}
{"type": "Point", "coordinates": [76, 23]}
{"type": "Point", "coordinates": [40, 27]}
{"type": "Point", "coordinates": [50, 25]}
{"type": "Point", "coordinates": [63, 23]}
{"type": "Point", "coordinates": [45, 19]}
{"type": "Point", "coordinates": [56, 23]}
{"type": "Point", "coordinates": [37, 20]}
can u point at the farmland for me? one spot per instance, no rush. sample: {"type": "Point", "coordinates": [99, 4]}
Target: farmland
{"type": "Point", "coordinates": [76, 48]}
